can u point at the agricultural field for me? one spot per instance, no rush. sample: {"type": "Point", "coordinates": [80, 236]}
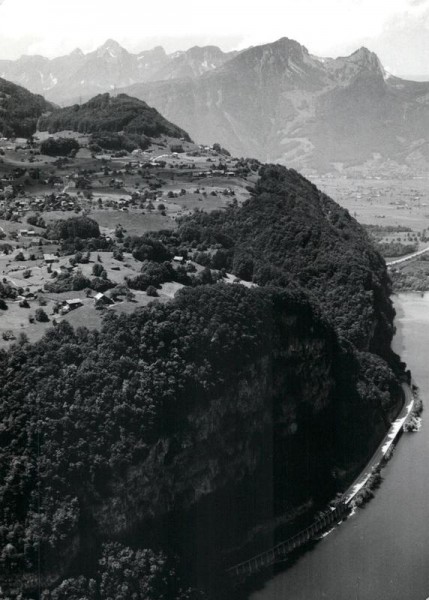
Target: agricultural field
{"type": "Point", "coordinates": [387, 202]}
{"type": "Point", "coordinates": [31, 277]}
{"type": "Point", "coordinates": [395, 211]}
{"type": "Point", "coordinates": [127, 194]}
{"type": "Point", "coordinates": [132, 222]}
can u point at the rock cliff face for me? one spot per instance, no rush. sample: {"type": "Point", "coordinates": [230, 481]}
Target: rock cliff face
{"type": "Point", "coordinates": [279, 437]}
{"type": "Point", "coordinates": [220, 442]}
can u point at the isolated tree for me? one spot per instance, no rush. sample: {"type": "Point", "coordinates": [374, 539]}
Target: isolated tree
{"type": "Point", "coordinates": [151, 291]}
{"type": "Point", "coordinates": [97, 270]}
{"type": "Point", "coordinates": [41, 316]}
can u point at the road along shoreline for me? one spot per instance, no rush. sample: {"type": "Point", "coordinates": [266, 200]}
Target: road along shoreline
{"type": "Point", "coordinates": [342, 507]}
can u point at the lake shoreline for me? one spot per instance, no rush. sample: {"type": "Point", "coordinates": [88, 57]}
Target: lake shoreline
{"type": "Point", "coordinates": [365, 550]}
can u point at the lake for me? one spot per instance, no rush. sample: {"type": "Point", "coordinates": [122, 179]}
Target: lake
{"type": "Point", "coordinates": [382, 552]}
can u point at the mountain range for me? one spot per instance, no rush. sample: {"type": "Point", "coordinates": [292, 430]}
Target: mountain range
{"type": "Point", "coordinates": [280, 104]}
{"type": "Point", "coordinates": [79, 75]}
{"type": "Point", "coordinates": [275, 102]}
{"type": "Point", "coordinates": [145, 440]}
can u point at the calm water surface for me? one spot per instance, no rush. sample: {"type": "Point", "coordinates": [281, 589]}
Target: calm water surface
{"type": "Point", "coordinates": [382, 552]}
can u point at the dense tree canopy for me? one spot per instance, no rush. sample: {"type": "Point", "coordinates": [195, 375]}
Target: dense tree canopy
{"type": "Point", "coordinates": [59, 146]}
{"type": "Point", "coordinates": [19, 110]}
{"type": "Point", "coordinates": [290, 231]}
{"type": "Point", "coordinates": [107, 114]}
{"type": "Point", "coordinates": [221, 387]}
{"type": "Point", "coordinates": [119, 141]}
{"type": "Point", "coordinates": [75, 227]}
{"type": "Point", "coordinates": [126, 574]}
{"type": "Point", "coordinates": [78, 393]}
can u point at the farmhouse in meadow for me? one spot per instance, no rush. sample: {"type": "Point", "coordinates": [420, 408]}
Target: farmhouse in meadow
{"type": "Point", "coordinates": [50, 259]}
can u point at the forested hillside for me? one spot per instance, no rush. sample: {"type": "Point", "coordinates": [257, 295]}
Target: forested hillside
{"type": "Point", "coordinates": [19, 110]}
{"type": "Point", "coordinates": [107, 114]}
{"type": "Point", "coordinates": [289, 231]}
{"type": "Point", "coordinates": [139, 461]}
{"type": "Point", "coordinates": [103, 433]}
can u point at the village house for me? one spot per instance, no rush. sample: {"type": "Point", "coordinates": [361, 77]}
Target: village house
{"type": "Point", "coordinates": [101, 299]}
{"type": "Point", "coordinates": [50, 259]}
{"type": "Point", "coordinates": [74, 303]}
{"type": "Point", "coordinates": [69, 305]}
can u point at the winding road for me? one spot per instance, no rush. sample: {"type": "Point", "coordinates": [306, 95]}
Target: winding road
{"type": "Point", "coordinates": [384, 446]}
{"type": "Point", "coordinates": [408, 257]}
{"type": "Point", "coordinates": [278, 552]}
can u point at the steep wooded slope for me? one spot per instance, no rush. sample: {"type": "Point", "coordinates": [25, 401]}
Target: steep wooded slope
{"type": "Point", "coordinates": [186, 427]}
{"type": "Point", "coordinates": [19, 110]}
{"type": "Point", "coordinates": [117, 114]}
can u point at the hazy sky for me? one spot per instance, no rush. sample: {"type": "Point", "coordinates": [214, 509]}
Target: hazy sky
{"type": "Point", "coordinates": [398, 30]}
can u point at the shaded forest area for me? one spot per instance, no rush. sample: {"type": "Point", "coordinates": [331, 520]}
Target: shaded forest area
{"type": "Point", "coordinates": [189, 409]}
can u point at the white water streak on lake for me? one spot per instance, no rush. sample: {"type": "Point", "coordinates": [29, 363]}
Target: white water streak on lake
{"type": "Point", "coordinates": [396, 427]}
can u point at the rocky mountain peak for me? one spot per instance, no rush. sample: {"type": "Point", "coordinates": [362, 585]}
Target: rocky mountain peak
{"type": "Point", "coordinates": [111, 49]}
{"type": "Point", "coordinates": [198, 50]}
{"type": "Point", "coordinates": [288, 45]}
{"type": "Point", "coordinates": [284, 59]}
{"type": "Point", "coordinates": [157, 51]}
{"type": "Point", "coordinates": [282, 49]}
{"type": "Point", "coordinates": [365, 59]}
{"type": "Point", "coordinates": [77, 52]}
